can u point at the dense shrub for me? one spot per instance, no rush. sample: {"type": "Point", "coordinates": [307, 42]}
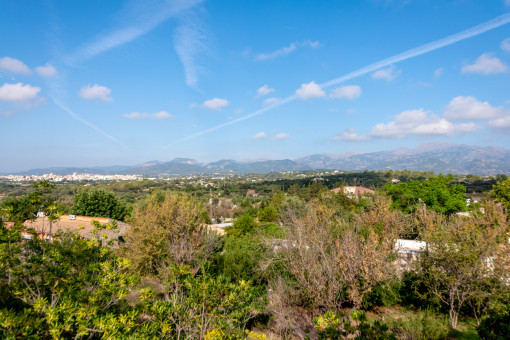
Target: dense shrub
{"type": "Point", "coordinates": [99, 203]}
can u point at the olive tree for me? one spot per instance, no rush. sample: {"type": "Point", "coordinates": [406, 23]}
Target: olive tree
{"type": "Point", "coordinates": [465, 258]}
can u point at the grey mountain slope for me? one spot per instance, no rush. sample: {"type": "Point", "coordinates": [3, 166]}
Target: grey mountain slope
{"type": "Point", "coordinates": [437, 157]}
{"type": "Point", "coordinates": [63, 171]}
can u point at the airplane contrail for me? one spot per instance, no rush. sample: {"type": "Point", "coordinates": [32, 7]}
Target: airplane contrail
{"type": "Point", "coordinates": [90, 125]}
{"type": "Point", "coordinates": [414, 52]}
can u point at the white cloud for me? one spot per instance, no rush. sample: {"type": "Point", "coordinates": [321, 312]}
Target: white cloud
{"type": "Point", "coordinates": [47, 70]}
{"type": "Point", "coordinates": [419, 123]}
{"type": "Point", "coordinates": [281, 136]}
{"type": "Point", "coordinates": [502, 123]}
{"type": "Point", "coordinates": [215, 103]}
{"type": "Point", "coordinates": [18, 92]}
{"type": "Point", "coordinates": [406, 55]}
{"type": "Point", "coordinates": [486, 64]}
{"type": "Point", "coordinates": [469, 108]}
{"type": "Point", "coordinates": [158, 115]}
{"type": "Point", "coordinates": [348, 92]}
{"type": "Point", "coordinates": [287, 50]}
{"type": "Point", "coordinates": [270, 101]}
{"type": "Point", "coordinates": [162, 115]}
{"type": "Point", "coordinates": [96, 92]}
{"type": "Point", "coordinates": [388, 74]}
{"type": "Point", "coordinates": [438, 72]}
{"type": "Point", "coordinates": [350, 135]}
{"type": "Point", "coordinates": [310, 90]}
{"type": "Point", "coordinates": [264, 90]}
{"type": "Point", "coordinates": [260, 135]}
{"type": "Point", "coordinates": [507, 2]}
{"type": "Point", "coordinates": [505, 44]}
{"type": "Point", "coordinates": [14, 65]}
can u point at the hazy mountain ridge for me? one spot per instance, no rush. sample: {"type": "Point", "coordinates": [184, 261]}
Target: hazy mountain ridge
{"type": "Point", "coordinates": [437, 157]}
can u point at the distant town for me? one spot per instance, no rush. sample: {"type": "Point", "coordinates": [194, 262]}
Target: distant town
{"type": "Point", "coordinates": [75, 177]}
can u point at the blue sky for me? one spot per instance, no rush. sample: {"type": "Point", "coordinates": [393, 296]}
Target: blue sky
{"type": "Point", "coordinates": [88, 83]}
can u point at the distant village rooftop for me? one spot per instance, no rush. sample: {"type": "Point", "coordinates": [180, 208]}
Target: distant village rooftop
{"type": "Point", "coordinates": [354, 191]}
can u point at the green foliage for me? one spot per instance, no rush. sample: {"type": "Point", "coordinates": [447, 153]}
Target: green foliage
{"type": "Point", "coordinates": [420, 326]}
{"type": "Point", "coordinates": [384, 294]}
{"type": "Point", "coordinates": [413, 293]}
{"type": "Point", "coordinates": [496, 324]}
{"type": "Point", "coordinates": [353, 326]}
{"type": "Point", "coordinates": [168, 231]}
{"type": "Point", "coordinates": [268, 214]}
{"type": "Point", "coordinates": [99, 203]}
{"type": "Point", "coordinates": [71, 288]}
{"type": "Point", "coordinates": [244, 224]}
{"type": "Point", "coordinates": [332, 252]}
{"type": "Point", "coordinates": [501, 192]}
{"type": "Point", "coordinates": [202, 305]}
{"type": "Point", "coordinates": [61, 289]}
{"type": "Point", "coordinates": [20, 209]}
{"type": "Point", "coordinates": [240, 257]}
{"type": "Point", "coordinates": [435, 192]}
{"type": "Point", "coordinates": [455, 268]}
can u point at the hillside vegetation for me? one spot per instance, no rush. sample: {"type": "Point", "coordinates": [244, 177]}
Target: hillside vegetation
{"type": "Point", "coordinates": [299, 261]}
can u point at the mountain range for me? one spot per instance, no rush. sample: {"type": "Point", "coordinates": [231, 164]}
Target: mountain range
{"type": "Point", "coordinates": [437, 157]}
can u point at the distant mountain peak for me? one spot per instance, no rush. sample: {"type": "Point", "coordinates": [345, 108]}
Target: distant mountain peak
{"type": "Point", "coordinates": [184, 161]}
{"type": "Point", "coordinates": [439, 157]}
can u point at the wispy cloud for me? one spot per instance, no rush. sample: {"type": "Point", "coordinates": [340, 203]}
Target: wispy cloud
{"type": "Point", "coordinates": [486, 64]}
{"type": "Point", "coordinates": [280, 136]}
{"type": "Point", "coordinates": [47, 70]}
{"type": "Point", "coordinates": [260, 135]}
{"type": "Point", "coordinates": [505, 44]}
{"type": "Point", "coordinates": [191, 42]}
{"type": "Point", "coordinates": [387, 74]}
{"type": "Point", "coordinates": [158, 115]}
{"type": "Point", "coordinates": [347, 92]}
{"type": "Point", "coordinates": [287, 50]}
{"type": "Point", "coordinates": [438, 72]}
{"type": "Point", "coordinates": [270, 101]}
{"type": "Point", "coordinates": [14, 66]}
{"type": "Point", "coordinates": [96, 92]}
{"type": "Point", "coordinates": [412, 53]}
{"type": "Point", "coordinates": [264, 90]}
{"type": "Point", "coordinates": [136, 19]}
{"type": "Point", "coordinates": [350, 135]}
{"type": "Point", "coordinates": [74, 115]}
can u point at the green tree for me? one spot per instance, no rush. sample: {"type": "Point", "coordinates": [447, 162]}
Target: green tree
{"type": "Point", "coordinates": [435, 192]}
{"type": "Point", "coordinates": [99, 203]}
{"type": "Point", "coordinates": [268, 214]}
{"type": "Point", "coordinates": [168, 230]}
{"type": "Point", "coordinates": [501, 192]}
{"type": "Point", "coordinates": [465, 259]}
{"type": "Point", "coordinates": [67, 288]}
{"type": "Point", "coordinates": [244, 224]}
